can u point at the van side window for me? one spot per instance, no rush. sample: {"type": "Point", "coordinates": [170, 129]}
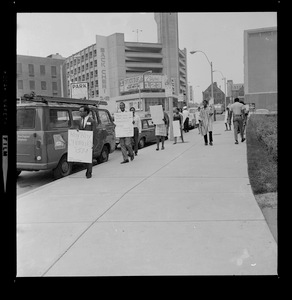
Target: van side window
{"type": "Point", "coordinates": [25, 119]}
{"type": "Point", "coordinates": [76, 117]}
{"type": "Point", "coordinates": [59, 118]}
{"type": "Point", "coordinates": [144, 124]}
{"type": "Point", "coordinates": [104, 117]}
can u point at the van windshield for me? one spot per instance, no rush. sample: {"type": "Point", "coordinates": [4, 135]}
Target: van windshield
{"type": "Point", "coordinates": [25, 119]}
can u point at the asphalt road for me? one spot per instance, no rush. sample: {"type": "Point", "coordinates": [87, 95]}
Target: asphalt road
{"type": "Point", "coordinates": [28, 181]}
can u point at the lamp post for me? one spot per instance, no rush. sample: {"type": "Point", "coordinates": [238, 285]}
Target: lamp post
{"type": "Point", "coordinates": [211, 65]}
{"type": "Point", "coordinates": [224, 79]}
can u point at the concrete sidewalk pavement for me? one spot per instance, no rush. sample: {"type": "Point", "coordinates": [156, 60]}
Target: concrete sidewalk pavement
{"type": "Point", "coordinates": [186, 210]}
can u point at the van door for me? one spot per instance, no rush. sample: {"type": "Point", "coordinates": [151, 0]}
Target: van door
{"type": "Point", "coordinates": [57, 134]}
{"type": "Point", "coordinates": [108, 128]}
{"type": "Point", "coordinates": [26, 135]}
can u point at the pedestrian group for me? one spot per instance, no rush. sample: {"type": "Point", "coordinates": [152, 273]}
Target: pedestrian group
{"type": "Point", "coordinates": [236, 112]}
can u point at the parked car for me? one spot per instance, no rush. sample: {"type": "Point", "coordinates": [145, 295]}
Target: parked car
{"type": "Point", "coordinates": [262, 111]}
{"type": "Point", "coordinates": [147, 134]}
{"type": "Point", "coordinates": [42, 133]}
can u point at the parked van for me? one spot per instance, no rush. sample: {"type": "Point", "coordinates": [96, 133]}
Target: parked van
{"type": "Point", "coordinates": [42, 133]}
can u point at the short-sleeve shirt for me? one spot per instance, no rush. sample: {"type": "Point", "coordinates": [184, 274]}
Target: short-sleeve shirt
{"type": "Point", "coordinates": [237, 108]}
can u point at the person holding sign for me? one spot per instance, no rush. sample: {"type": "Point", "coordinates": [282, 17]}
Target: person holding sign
{"type": "Point", "coordinates": [177, 116]}
{"type": "Point", "coordinates": [125, 142]}
{"type": "Point", "coordinates": [87, 123]}
{"type": "Point", "coordinates": [161, 130]}
{"type": "Point", "coordinates": [137, 129]}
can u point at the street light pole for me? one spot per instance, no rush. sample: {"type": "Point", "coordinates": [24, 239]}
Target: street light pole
{"type": "Point", "coordinates": [142, 77]}
{"type": "Point", "coordinates": [211, 65]}
{"type": "Point", "coordinates": [212, 91]}
{"type": "Point", "coordinates": [224, 79]}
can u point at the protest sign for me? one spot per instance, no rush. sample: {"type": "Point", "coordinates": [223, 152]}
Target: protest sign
{"type": "Point", "coordinates": [124, 124]}
{"type": "Point", "coordinates": [176, 128]}
{"type": "Point", "coordinates": [80, 146]}
{"type": "Point", "coordinates": [157, 114]}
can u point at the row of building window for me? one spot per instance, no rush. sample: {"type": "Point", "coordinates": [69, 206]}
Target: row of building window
{"type": "Point", "coordinates": [81, 69]}
{"type": "Point", "coordinates": [77, 60]}
{"type": "Point", "coordinates": [83, 78]}
{"type": "Point", "coordinates": [32, 85]}
{"type": "Point", "coordinates": [31, 71]}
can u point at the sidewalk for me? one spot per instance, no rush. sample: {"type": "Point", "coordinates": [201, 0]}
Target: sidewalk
{"type": "Point", "coordinates": [186, 210]}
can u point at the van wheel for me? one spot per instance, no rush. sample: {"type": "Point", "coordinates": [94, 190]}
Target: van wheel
{"type": "Point", "coordinates": [141, 143]}
{"type": "Point", "coordinates": [104, 154]}
{"type": "Point", "coordinates": [63, 169]}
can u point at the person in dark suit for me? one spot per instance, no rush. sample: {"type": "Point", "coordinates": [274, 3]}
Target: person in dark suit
{"type": "Point", "coordinates": [87, 123]}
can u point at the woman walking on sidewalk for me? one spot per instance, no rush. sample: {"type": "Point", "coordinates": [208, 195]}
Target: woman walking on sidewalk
{"type": "Point", "coordinates": [206, 121]}
{"type": "Point", "coordinates": [177, 116]}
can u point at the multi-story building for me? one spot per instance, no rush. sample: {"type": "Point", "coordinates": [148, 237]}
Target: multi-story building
{"type": "Point", "coordinates": [41, 75]}
{"type": "Point", "coordinates": [260, 67]}
{"type": "Point", "coordinates": [106, 64]}
{"type": "Point", "coordinates": [217, 93]}
{"type": "Point", "coordinates": [234, 90]}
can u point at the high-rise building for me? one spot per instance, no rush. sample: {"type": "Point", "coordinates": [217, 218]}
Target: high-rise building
{"type": "Point", "coordinates": [133, 72]}
{"type": "Point", "coordinates": [260, 67]}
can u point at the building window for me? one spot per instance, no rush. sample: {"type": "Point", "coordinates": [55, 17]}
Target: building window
{"type": "Point", "coordinates": [94, 51]}
{"type": "Point", "coordinates": [96, 82]}
{"type": "Point", "coordinates": [19, 68]}
{"type": "Point", "coordinates": [82, 68]}
{"type": "Point", "coordinates": [87, 75]}
{"type": "Point", "coordinates": [83, 77]}
{"type": "Point", "coordinates": [95, 63]}
{"type": "Point", "coordinates": [86, 55]}
{"type": "Point", "coordinates": [43, 85]}
{"type": "Point", "coordinates": [54, 86]}
{"type": "Point", "coordinates": [92, 93]}
{"type": "Point", "coordinates": [54, 71]}
{"type": "Point", "coordinates": [95, 72]}
{"type": "Point", "coordinates": [91, 64]}
{"type": "Point", "coordinates": [90, 54]}
{"type": "Point", "coordinates": [20, 84]}
{"type": "Point", "coordinates": [96, 93]}
{"type": "Point", "coordinates": [31, 85]}
{"type": "Point", "coordinates": [30, 69]}
{"type": "Point", "coordinates": [42, 69]}
{"type": "Point", "coordinates": [92, 84]}
{"type": "Point", "coordinates": [91, 74]}
{"type": "Point", "coordinates": [86, 66]}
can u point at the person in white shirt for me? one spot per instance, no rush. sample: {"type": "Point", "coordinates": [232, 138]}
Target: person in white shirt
{"type": "Point", "coordinates": [197, 115]}
{"type": "Point", "coordinates": [137, 129]}
{"type": "Point", "coordinates": [237, 110]}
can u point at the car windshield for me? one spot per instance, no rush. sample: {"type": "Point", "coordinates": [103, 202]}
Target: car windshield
{"type": "Point", "coordinates": [25, 119]}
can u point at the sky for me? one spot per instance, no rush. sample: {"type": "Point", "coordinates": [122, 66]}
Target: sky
{"type": "Point", "coordinates": [218, 35]}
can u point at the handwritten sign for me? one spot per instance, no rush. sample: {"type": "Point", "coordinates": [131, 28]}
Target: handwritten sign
{"type": "Point", "coordinates": [124, 124]}
{"type": "Point", "coordinates": [157, 114]}
{"type": "Point", "coordinates": [80, 145]}
{"type": "Point", "coordinates": [176, 128]}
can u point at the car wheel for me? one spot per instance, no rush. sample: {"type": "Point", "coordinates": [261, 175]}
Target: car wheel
{"type": "Point", "coordinates": [141, 143]}
{"type": "Point", "coordinates": [63, 169]}
{"type": "Point", "coordinates": [104, 154]}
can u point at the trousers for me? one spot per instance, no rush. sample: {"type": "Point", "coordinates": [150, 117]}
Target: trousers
{"type": "Point", "coordinates": [238, 124]}
{"type": "Point", "coordinates": [126, 145]}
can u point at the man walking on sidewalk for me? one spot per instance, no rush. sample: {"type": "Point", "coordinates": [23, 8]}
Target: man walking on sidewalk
{"type": "Point", "coordinates": [206, 122]}
{"type": "Point", "coordinates": [125, 143]}
{"type": "Point", "coordinates": [87, 123]}
{"type": "Point", "coordinates": [237, 110]}
{"type": "Point", "coordinates": [137, 129]}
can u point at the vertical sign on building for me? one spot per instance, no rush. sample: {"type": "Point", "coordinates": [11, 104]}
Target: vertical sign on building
{"type": "Point", "coordinates": [102, 65]}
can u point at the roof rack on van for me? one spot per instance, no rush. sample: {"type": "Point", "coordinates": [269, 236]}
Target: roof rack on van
{"type": "Point", "coordinates": [46, 99]}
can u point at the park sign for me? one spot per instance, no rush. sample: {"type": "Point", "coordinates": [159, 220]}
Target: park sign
{"type": "Point", "coordinates": [79, 90]}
